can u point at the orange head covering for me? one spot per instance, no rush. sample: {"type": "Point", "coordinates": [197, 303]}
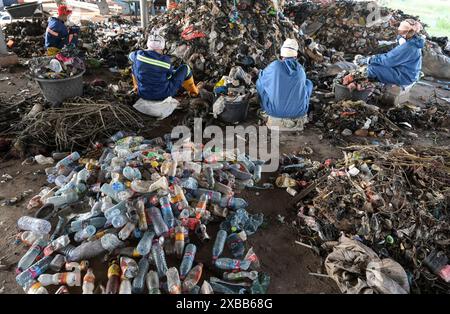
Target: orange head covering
{"type": "Point", "coordinates": [410, 27]}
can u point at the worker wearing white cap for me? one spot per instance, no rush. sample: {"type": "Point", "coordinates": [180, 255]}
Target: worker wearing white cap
{"type": "Point", "coordinates": [153, 74]}
{"type": "Point", "coordinates": [284, 90]}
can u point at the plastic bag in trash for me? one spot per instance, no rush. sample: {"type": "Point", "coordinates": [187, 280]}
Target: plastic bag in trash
{"type": "Point", "coordinates": [158, 109]}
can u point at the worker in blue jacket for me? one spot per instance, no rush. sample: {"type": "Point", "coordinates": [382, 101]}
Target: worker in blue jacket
{"type": "Point", "coordinates": [402, 65]}
{"type": "Point", "coordinates": [284, 89]}
{"type": "Point", "coordinates": [154, 78]}
{"type": "Point", "coordinates": [57, 33]}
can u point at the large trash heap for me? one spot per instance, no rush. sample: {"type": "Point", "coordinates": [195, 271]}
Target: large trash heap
{"type": "Point", "coordinates": [148, 213]}
{"type": "Point", "coordinates": [381, 216]}
{"type": "Point", "coordinates": [353, 27]}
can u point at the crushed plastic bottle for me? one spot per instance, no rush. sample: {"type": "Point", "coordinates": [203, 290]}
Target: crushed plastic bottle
{"type": "Point", "coordinates": [236, 245]}
{"type": "Point", "coordinates": [129, 267]}
{"type": "Point", "coordinates": [188, 260]}
{"type": "Point", "coordinates": [139, 280]}
{"type": "Point", "coordinates": [231, 264]}
{"type": "Point", "coordinates": [192, 278]}
{"type": "Point", "coordinates": [158, 223]}
{"type": "Point", "coordinates": [173, 281]}
{"type": "Point", "coordinates": [32, 254]}
{"type": "Point", "coordinates": [159, 258]}
{"type": "Point", "coordinates": [145, 244]}
{"type": "Point", "coordinates": [33, 271]}
{"type": "Point", "coordinates": [34, 224]}
{"type": "Point", "coordinates": [219, 244]}
{"type": "Point", "coordinates": [152, 281]}
{"type": "Point", "coordinates": [179, 240]}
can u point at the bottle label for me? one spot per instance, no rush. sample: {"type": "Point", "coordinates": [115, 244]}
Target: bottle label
{"type": "Point", "coordinates": [113, 270]}
{"type": "Point", "coordinates": [179, 236]}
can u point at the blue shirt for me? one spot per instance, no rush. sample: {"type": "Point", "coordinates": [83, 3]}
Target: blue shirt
{"type": "Point", "coordinates": [57, 34]}
{"type": "Point", "coordinates": [152, 72]}
{"type": "Point", "coordinates": [401, 65]}
{"type": "Point", "coordinates": [284, 89]}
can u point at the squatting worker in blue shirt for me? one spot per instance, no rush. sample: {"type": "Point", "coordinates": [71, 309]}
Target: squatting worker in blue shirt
{"type": "Point", "coordinates": [402, 65]}
{"type": "Point", "coordinates": [58, 34]}
{"type": "Point", "coordinates": [153, 74]}
{"type": "Point", "coordinates": [284, 90]}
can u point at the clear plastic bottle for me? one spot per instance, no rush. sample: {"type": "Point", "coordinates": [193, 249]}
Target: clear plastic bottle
{"type": "Point", "coordinates": [125, 285]}
{"type": "Point", "coordinates": [75, 266]}
{"type": "Point", "coordinates": [200, 208]}
{"type": "Point", "coordinates": [193, 277]}
{"type": "Point", "coordinates": [69, 278]}
{"type": "Point", "coordinates": [119, 221]}
{"type": "Point", "coordinates": [145, 244]}
{"type": "Point", "coordinates": [57, 263]}
{"type": "Point", "coordinates": [166, 211]}
{"type": "Point", "coordinates": [188, 260]}
{"type": "Point", "coordinates": [86, 250]}
{"type": "Point", "coordinates": [77, 225]}
{"type": "Point", "coordinates": [219, 244]}
{"type": "Point", "coordinates": [179, 198]}
{"type": "Point", "coordinates": [59, 228]}
{"type": "Point", "coordinates": [112, 286]}
{"type": "Point", "coordinates": [236, 245]}
{"type": "Point", "coordinates": [56, 245]}
{"type": "Point", "coordinates": [140, 208]}
{"type": "Point", "coordinates": [231, 264]}
{"type": "Point", "coordinates": [233, 202]}
{"type": "Point", "coordinates": [29, 237]}
{"type": "Point", "coordinates": [131, 173]}
{"type": "Point", "coordinates": [159, 225]}
{"type": "Point", "coordinates": [85, 233]}
{"type": "Point", "coordinates": [257, 173]}
{"type": "Point", "coordinates": [30, 256]}
{"type": "Point", "coordinates": [159, 258]}
{"type": "Point", "coordinates": [33, 271]}
{"type": "Point", "coordinates": [209, 174]}
{"type": "Point", "coordinates": [59, 201]}
{"type": "Point", "coordinates": [214, 196]}
{"type": "Point", "coordinates": [129, 267]}
{"type": "Point", "coordinates": [206, 288]}
{"type": "Point", "coordinates": [189, 183]}
{"type": "Point", "coordinates": [173, 281]}
{"type": "Point", "coordinates": [88, 282]}
{"type": "Point", "coordinates": [179, 240]}
{"type": "Point", "coordinates": [34, 224]}
{"type": "Point", "coordinates": [139, 280]}
{"type": "Point", "coordinates": [252, 275]}
{"type": "Point", "coordinates": [152, 281]}
{"type": "Point", "coordinates": [160, 184]}
{"type": "Point", "coordinates": [126, 231]}
{"type": "Point", "coordinates": [108, 190]}
{"type": "Point", "coordinates": [127, 251]}
{"type": "Point", "coordinates": [66, 161]}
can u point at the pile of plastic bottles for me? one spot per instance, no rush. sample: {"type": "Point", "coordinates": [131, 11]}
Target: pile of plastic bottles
{"type": "Point", "coordinates": [136, 205]}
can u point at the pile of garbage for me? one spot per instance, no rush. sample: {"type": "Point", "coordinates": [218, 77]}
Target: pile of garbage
{"type": "Point", "coordinates": [354, 80]}
{"type": "Point", "coordinates": [143, 207]}
{"type": "Point", "coordinates": [109, 43]}
{"type": "Point", "coordinates": [26, 38]}
{"type": "Point", "coordinates": [68, 62]}
{"type": "Point", "coordinates": [434, 116]}
{"type": "Point", "coordinates": [212, 37]}
{"type": "Point", "coordinates": [349, 26]}
{"type": "Point", "coordinates": [347, 118]}
{"type": "Point", "coordinates": [390, 206]}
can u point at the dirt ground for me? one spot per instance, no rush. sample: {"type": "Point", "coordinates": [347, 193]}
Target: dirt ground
{"type": "Point", "coordinates": [288, 264]}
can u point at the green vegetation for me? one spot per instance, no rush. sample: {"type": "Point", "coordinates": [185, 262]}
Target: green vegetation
{"type": "Point", "coordinates": [434, 13]}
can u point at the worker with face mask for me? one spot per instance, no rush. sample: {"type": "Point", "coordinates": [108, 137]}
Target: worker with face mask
{"type": "Point", "coordinates": [154, 77]}
{"type": "Point", "coordinates": [402, 65]}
